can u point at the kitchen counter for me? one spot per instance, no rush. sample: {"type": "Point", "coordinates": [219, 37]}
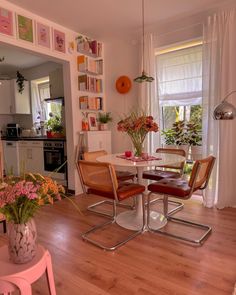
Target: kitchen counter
{"type": "Point", "coordinates": [43, 138]}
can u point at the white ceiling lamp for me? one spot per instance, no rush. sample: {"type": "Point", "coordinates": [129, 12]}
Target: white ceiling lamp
{"type": "Point", "coordinates": [225, 110]}
{"type": "Point", "coordinates": [144, 77]}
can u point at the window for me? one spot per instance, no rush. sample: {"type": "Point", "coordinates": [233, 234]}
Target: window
{"type": "Point", "coordinates": [179, 73]}
{"type": "Point", "coordinates": [42, 107]}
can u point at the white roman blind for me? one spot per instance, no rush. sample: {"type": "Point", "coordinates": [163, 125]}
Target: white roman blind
{"type": "Point", "coordinates": [179, 76]}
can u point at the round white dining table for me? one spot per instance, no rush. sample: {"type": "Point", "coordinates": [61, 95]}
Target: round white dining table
{"type": "Point", "coordinates": [132, 219]}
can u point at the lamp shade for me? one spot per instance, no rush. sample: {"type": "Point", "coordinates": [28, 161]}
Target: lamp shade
{"type": "Point", "coordinates": [224, 111]}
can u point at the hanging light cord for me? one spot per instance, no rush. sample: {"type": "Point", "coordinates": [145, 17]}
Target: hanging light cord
{"type": "Point", "coordinates": [144, 77]}
{"type": "Point", "coordinates": [143, 29]}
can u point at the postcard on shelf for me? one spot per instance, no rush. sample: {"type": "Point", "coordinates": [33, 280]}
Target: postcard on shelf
{"type": "Point", "coordinates": [43, 35]}
{"type": "Point", "coordinates": [6, 22]}
{"type": "Point", "coordinates": [25, 28]}
{"type": "Point", "coordinates": [59, 41]}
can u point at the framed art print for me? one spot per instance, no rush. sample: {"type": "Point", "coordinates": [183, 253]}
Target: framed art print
{"type": "Point", "coordinates": [92, 121]}
{"type": "Point", "coordinates": [6, 22]}
{"type": "Point", "coordinates": [25, 28]}
{"type": "Point", "coordinates": [43, 35]}
{"type": "Point", "coordinates": [59, 41]}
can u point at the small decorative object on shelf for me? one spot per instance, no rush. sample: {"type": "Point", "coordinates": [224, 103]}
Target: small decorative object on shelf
{"type": "Point", "coordinates": [103, 119]}
{"type": "Point", "coordinates": [137, 125]}
{"type": "Point", "coordinates": [20, 79]}
{"type": "Point", "coordinates": [20, 198]}
{"type": "Point", "coordinates": [85, 125]}
{"type": "Point", "coordinates": [92, 122]}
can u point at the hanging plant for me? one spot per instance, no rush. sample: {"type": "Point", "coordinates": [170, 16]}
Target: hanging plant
{"type": "Point", "coordinates": [20, 79]}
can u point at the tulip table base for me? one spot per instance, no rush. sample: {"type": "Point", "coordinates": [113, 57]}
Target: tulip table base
{"type": "Point", "coordinates": [133, 221]}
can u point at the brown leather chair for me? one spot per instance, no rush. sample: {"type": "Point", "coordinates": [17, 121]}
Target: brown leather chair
{"type": "Point", "coordinates": [121, 176]}
{"type": "Point", "coordinates": [183, 189]}
{"type": "Point", "coordinates": [100, 179]}
{"type": "Point", "coordinates": [166, 171]}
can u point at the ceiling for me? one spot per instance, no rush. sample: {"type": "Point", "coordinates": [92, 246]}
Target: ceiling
{"type": "Point", "coordinates": [105, 18]}
{"type": "Point", "coordinates": [17, 59]}
{"type": "Point", "coordinates": [102, 19]}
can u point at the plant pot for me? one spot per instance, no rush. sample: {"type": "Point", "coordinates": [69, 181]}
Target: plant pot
{"type": "Point", "coordinates": [103, 126]}
{"type": "Point", "coordinates": [49, 134]}
{"type": "Point", "coordinates": [22, 241]}
{"type": "Point", "coordinates": [57, 135]}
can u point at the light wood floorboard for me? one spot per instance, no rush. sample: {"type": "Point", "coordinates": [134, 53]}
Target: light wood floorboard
{"type": "Point", "coordinates": [150, 264]}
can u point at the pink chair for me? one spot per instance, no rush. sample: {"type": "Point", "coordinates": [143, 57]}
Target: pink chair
{"type": "Point", "coordinates": [20, 276]}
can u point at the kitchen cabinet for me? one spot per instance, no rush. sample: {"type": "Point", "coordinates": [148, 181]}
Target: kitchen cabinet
{"type": "Point", "coordinates": [97, 140]}
{"type": "Point", "coordinates": [20, 101]}
{"type": "Point", "coordinates": [11, 157]}
{"type": "Point", "coordinates": [5, 97]}
{"type": "Point", "coordinates": [11, 101]}
{"type": "Point", "coordinates": [31, 156]}
{"type": "Point", "coordinates": [56, 83]}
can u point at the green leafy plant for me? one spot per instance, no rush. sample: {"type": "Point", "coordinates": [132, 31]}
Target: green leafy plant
{"type": "Point", "coordinates": [54, 124]}
{"type": "Point", "coordinates": [193, 132]}
{"type": "Point", "coordinates": [183, 133]}
{"type": "Point", "coordinates": [20, 79]}
{"type": "Point", "coordinates": [104, 118]}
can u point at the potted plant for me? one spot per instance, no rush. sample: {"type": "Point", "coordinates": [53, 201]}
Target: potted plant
{"type": "Point", "coordinates": [176, 136]}
{"type": "Point", "coordinates": [55, 128]}
{"type": "Point", "coordinates": [194, 138]}
{"type": "Point", "coordinates": [103, 119]}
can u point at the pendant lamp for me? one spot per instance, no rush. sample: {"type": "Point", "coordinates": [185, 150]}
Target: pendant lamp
{"type": "Point", "coordinates": [225, 110]}
{"type": "Point", "coordinates": [144, 77]}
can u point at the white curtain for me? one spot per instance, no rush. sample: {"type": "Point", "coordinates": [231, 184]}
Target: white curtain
{"type": "Point", "coordinates": [148, 98]}
{"type": "Point", "coordinates": [36, 102]}
{"type": "Point", "coordinates": [180, 77]}
{"type": "Point", "coordinates": [219, 74]}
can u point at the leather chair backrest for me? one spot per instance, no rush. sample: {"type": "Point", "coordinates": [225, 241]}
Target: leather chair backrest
{"type": "Point", "coordinates": [179, 152]}
{"type": "Point", "coordinates": [201, 173]}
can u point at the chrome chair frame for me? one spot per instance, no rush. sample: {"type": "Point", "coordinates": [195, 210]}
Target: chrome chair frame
{"type": "Point", "coordinates": [92, 207]}
{"type": "Point", "coordinates": [86, 234]}
{"type": "Point", "coordinates": [205, 227]}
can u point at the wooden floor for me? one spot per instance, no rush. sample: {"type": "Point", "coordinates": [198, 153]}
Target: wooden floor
{"type": "Point", "coordinates": [148, 265]}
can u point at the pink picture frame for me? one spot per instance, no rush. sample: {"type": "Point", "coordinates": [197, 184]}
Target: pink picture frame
{"type": "Point", "coordinates": [92, 121]}
{"type": "Point", "coordinates": [6, 22]}
{"type": "Point", "coordinates": [43, 35]}
{"type": "Point", "coordinates": [59, 41]}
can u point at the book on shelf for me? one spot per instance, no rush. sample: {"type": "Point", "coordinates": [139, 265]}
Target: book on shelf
{"type": "Point", "coordinates": [83, 102]}
{"type": "Point", "coordinates": [83, 82]}
{"type": "Point", "coordinates": [89, 83]}
{"type": "Point", "coordinates": [90, 103]}
{"type": "Point", "coordinates": [86, 64]}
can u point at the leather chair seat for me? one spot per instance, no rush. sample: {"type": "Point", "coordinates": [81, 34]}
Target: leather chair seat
{"type": "Point", "coordinates": [124, 191]}
{"type": "Point", "coordinates": [124, 175]}
{"type": "Point", "coordinates": [160, 174]}
{"type": "Point", "coordinates": [174, 187]}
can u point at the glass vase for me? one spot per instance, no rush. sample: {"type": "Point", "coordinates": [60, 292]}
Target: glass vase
{"type": "Point", "coordinates": [22, 241]}
{"type": "Point", "coordinates": [138, 148]}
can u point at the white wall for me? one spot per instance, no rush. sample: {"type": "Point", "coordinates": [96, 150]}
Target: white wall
{"type": "Point", "coordinates": [121, 58]}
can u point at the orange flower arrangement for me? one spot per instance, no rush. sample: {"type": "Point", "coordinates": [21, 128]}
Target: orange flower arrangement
{"type": "Point", "coordinates": [137, 125]}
